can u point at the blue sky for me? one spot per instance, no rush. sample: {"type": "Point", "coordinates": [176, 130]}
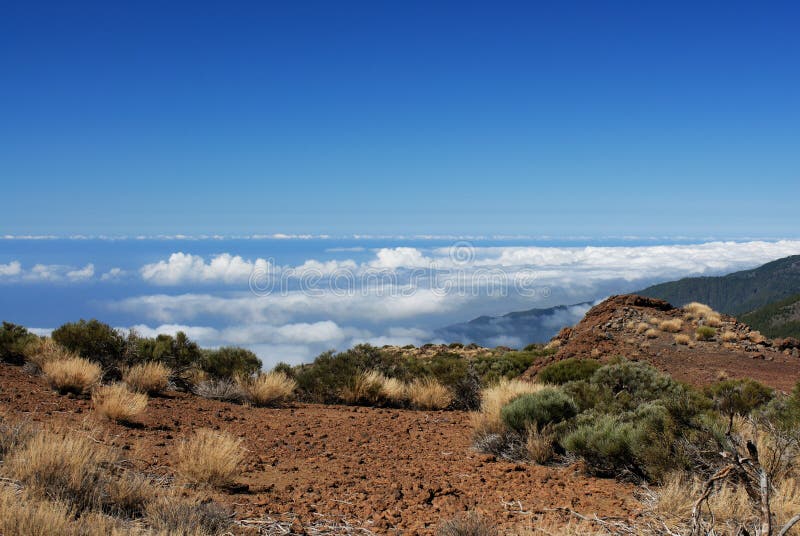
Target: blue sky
{"type": "Point", "coordinates": [561, 118]}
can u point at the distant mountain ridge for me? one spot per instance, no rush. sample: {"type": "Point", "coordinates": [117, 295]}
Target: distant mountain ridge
{"type": "Point", "coordinates": [778, 319]}
{"type": "Point", "coordinates": [515, 329]}
{"type": "Point", "coordinates": [737, 293]}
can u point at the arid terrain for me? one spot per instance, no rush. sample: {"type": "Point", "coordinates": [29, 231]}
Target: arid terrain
{"type": "Point", "coordinates": [390, 471]}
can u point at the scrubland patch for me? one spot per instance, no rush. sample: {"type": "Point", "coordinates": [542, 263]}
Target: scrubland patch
{"type": "Point", "coordinates": [488, 419]}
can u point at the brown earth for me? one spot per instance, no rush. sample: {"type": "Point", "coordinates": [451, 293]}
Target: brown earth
{"type": "Point", "coordinates": [393, 471]}
{"type": "Point", "coordinates": [609, 330]}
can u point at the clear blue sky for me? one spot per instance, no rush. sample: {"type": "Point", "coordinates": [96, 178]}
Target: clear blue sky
{"type": "Point", "coordinates": [406, 117]}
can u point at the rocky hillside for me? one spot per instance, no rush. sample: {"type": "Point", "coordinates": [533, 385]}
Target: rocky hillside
{"type": "Point", "coordinates": [694, 345]}
{"type": "Point", "coordinates": [736, 293]}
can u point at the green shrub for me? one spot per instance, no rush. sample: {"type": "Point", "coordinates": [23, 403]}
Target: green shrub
{"type": "Point", "coordinates": [230, 361]}
{"type": "Point", "coordinates": [285, 368]}
{"type": "Point", "coordinates": [550, 405]}
{"type": "Point", "coordinates": [92, 340]}
{"type": "Point", "coordinates": [568, 370]}
{"type": "Point", "coordinates": [604, 443]}
{"type": "Point", "coordinates": [739, 397]}
{"type": "Point", "coordinates": [624, 385]}
{"type": "Point", "coordinates": [705, 333]}
{"type": "Point", "coordinates": [14, 340]}
{"type": "Point", "coordinates": [177, 352]}
{"type": "Point", "coordinates": [493, 368]}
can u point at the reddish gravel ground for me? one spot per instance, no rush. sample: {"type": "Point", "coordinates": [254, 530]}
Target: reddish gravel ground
{"type": "Point", "coordinates": [394, 471]}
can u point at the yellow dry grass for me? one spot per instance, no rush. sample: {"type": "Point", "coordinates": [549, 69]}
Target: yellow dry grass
{"type": "Point", "coordinates": [698, 310]}
{"type": "Point", "coordinates": [118, 403]}
{"type": "Point", "coordinates": [488, 420]}
{"type": "Point", "coordinates": [651, 333]}
{"type": "Point", "coordinates": [641, 327]}
{"type": "Point", "coordinates": [713, 319]}
{"type": "Point", "coordinates": [213, 458]}
{"type": "Point", "coordinates": [539, 443]}
{"type": "Point", "coordinates": [73, 374]}
{"type": "Point", "coordinates": [653, 320]}
{"type": "Point", "coordinates": [682, 338]}
{"type": "Point", "coordinates": [729, 336]}
{"type": "Point", "coordinates": [268, 389]}
{"type": "Point", "coordinates": [756, 337]}
{"type": "Point", "coordinates": [151, 378]}
{"type": "Point", "coordinates": [46, 350]}
{"type": "Point", "coordinates": [671, 326]}
{"type": "Point", "coordinates": [429, 394]}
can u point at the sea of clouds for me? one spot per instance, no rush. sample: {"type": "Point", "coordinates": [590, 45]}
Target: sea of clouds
{"type": "Point", "coordinates": [396, 295]}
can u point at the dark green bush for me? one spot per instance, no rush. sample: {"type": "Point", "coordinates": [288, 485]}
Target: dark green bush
{"type": "Point", "coordinates": [492, 368]}
{"type": "Point", "coordinates": [624, 385]}
{"type": "Point", "coordinates": [739, 397]}
{"type": "Point", "coordinates": [230, 361]}
{"type": "Point", "coordinates": [176, 352]}
{"type": "Point", "coordinates": [568, 370]}
{"type": "Point", "coordinates": [14, 340]}
{"type": "Point", "coordinates": [285, 368]}
{"type": "Point", "coordinates": [604, 443]}
{"type": "Point", "coordinates": [550, 405]}
{"type": "Point", "coordinates": [93, 340]}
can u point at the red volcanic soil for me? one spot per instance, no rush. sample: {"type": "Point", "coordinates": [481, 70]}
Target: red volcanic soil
{"type": "Point", "coordinates": [390, 471]}
{"type": "Point", "coordinates": [610, 329]}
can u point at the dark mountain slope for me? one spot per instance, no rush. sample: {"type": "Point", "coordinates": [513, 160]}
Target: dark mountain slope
{"type": "Point", "coordinates": [736, 293]}
{"type": "Point", "coordinates": [778, 319]}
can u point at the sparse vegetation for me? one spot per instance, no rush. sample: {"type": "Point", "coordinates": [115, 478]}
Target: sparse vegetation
{"type": "Point", "coordinates": [651, 333]}
{"type": "Point", "coordinates": [641, 327]}
{"type": "Point", "coordinates": [117, 403]}
{"type": "Point", "coordinates": [150, 378]}
{"type": "Point", "coordinates": [45, 350]}
{"type": "Point", "coordinates": [212, 458]}
{"type": "Point", "coordinates": [226, 390]}
{"type": "Point", "coordinates": [468, 524]}
{"type": "Point", "coordinates": [72, 375]}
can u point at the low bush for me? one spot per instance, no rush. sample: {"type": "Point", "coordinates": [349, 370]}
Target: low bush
{"type": "Point", "coordinates": [176, 352]}
{"type": "Point", "coordinates": [489, 419]}
{"type": "Point", "coordinates": [14, 341]}
{"type": "Point", "coordinates": [739, 397]}
{"type": "Point", "coordinates": [93, 340]}
{"type": "Point", "coordinates": [365, 388]}
{"type": "Point", "coordinates": [268, 389]}
{"type": "Point", "coordinates": [548, 406]}
{"type": "Point", "coordinates": [429, 394]}
{"type": "Point", "coordinates": [671, 326]}
{"type": "Point", "coordinates": [226, 390]}
{"type": "Point", "coordinates": [229, 362]}
{"type": "Point", "coordinates": [568, 370]}
{"type": "Point", "coordinates": [117, 403]}
{"type": "Point", "coordinates": [72, 375]}
{"type": "Point", "coordinates": [493, 368]}
{"type": "Point", "coordinates": [212, 458]}
{"type": "Point", "coordinates": [151, 378]}
{"type": "Point", "coordinates": [705, 333]}
{"type": "Point", "coordinates": [604, 443]}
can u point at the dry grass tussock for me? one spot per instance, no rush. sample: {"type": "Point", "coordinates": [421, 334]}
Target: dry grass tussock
{"type": "Point", "coordinates": [151, 378]}
{"type": "Point", "coordinates": [698, 310]}
{"type": "Point", "coordinates": [373, 387]}
{"type": "Point", "coordinates": [212, 458]}
{"type": "Point", "coordinates": [226, 390]}
{"type": "Point", "coordinates": [59, 482]}
{"type": "Point", "coordinates": [268, 389]}
{"type": "Point", "coordinates": [651, 333]}
{"type": "Point", "coordinates": [654, 320]}
{"type": "Point", "coordinates": [641, 327]}
{"type": "Point", "coordinates": [539, 443]}
{"type": "Point", "coordinates": [671, 326]}
{"type": "Point", "coordinates": [72, 375]}
{"type": "Point", "coordinates": [756, 337]}
{"type": "Point", "coordinates": [429, 394]}
{"type": "Point", "coordinates": [468, 524]}
{"type": "Point", "coordinates": [728, 336]}
{"type": "Point", "coordinates": [682, 338]}
{"type": "Point", "coordinates": [45, 350]}
{"type": "Point", "coordinates": [488, 420]}
{"type": "Point", "coordinates": [118, 403]}
{"type": "Point", "coordinates": [713, 319]}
